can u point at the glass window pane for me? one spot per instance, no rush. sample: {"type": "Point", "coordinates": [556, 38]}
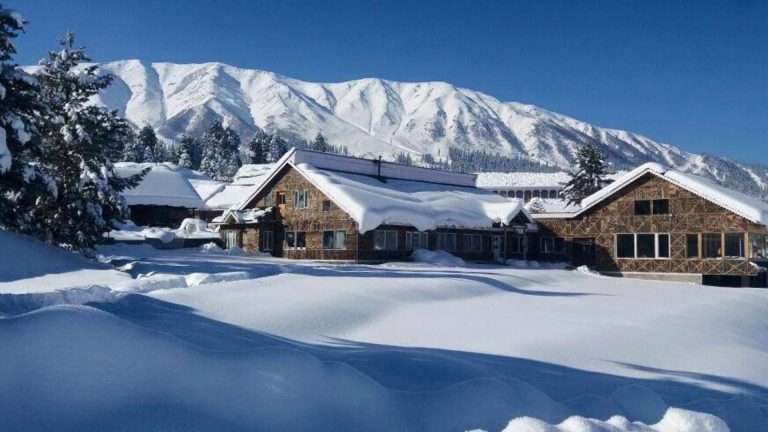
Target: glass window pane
{"type": "Point", "coordinates": [663, 245]}
{"type": "Point", "coordinates": [340, 240]}
{"type": "Point", "coordinates": [625, 245]}
{"type": "Point", "coordinates": [379, 240]}
{"type": "Point", "coordinates": [301, 239]}
{"type": "Point", "coordinates": [328, 239]}
{"type": "Point", "coordinates": [642, 207]}
{"type": "Point", "coordinates": [646, 245]}
{"type": "Point", "coordinates": [692, 245]}
{"type": "Point", "coordinates": [661, 206]}
{"type": "Point", "coordinates": [290, 239]}
{"type": "Point", "coordinates": [734, 245]}
{"type": "Point", "coordinates": [391, 240]}
{"type": "Point", "coordinates": [712, 244]}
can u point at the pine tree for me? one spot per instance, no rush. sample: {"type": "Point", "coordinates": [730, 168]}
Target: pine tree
{"type": "Point", "coordinates": [320, 144]}
{"type": "Point", "coordinates": [231, 161]}
{"type": "Point", "coordinates": [189, 153]}
{"type": "Point", "coordinates": [148, 141]}
{"type": "Point", "coordinates": [258, 147]}
{"type": "Point", "coordinates": [133, 151]}
{"type": "Point", "coordinates": [221, 152]}
{"type": "Point", "coordinates": [277, 148]}
{"type": "Point", "coordinates": [23, 181]}
{"type": "Point", "coordinates": [76, 139]}
{"type": "Point", "coordinates": [589, 176]}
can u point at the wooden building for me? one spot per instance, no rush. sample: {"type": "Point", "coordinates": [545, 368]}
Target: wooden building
{"type": "Point", "coordinates": [329, 207]}
{"type": "Point", "coordinates": [659, 223]}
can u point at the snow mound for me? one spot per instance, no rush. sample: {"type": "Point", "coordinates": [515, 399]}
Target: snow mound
{"type": "Point", "coordinates": [194, 279]}
{"type": "Point", "coordinates": [31, 257]}
{"type": "Point", "coordinates": [439, 258]}
{"type": "Point", "coordinates": [674, 420]}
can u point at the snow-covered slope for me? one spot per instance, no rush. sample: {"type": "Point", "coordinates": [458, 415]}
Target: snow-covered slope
{"type": "Point", "coordinates": [372, 116]}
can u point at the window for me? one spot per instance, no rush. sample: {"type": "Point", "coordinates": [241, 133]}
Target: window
{"type": "Point", "coordinates": [647, 207]}
{"type": "Point", "coordinates": [759, 246]}
{"type": "Point", "coordinates": [301, 199]}
{"type": "Point", "coordinates": [295, 239]}
{"type": "Point", "coordinates": [712, 244]}
{"type": "Point", "coordinates": [552, 245]}
{"type": "Point", "coordinates": [446, 241]}
{"type": "Point", "coordinates": [519, 194]}
{"type": "Point", "coordinates": [269, 199]}
{"type": "Point", "coordinates": [334, 239]}
{"type": "Point", "coordinates": [661, 206]}
{"type": "Point", "coordinates": [536, 194]}
{"type": "Point", "coordinates": [552, 194]}
{"type": "Point", "coordinates": [280, 198]}
{"type": "Point", "coordinates": [266, 240]}
{"type": "Point", "coordinates": [416, 240]}
{"type": "Point", "coordinates": [644, 245]}
{"type": "Point", "coordinates": [734, 245]}
{"type": "Point", "coordinates": [473, 242]}
{"type": "Point", "coordinates": [662, 245]}
{"type": "Point", "coordinates": [625, 245]}
{"type": "Point", "coordinates": [385, 240]}
{"type": "Point", "coordinates": [327, 206]}
{"type": "Point", "coordinates": [527, 195]}
{"type": "Point", "coordinates": [642, 208]}
{"type": "Point", "coordinates": [691, 245]}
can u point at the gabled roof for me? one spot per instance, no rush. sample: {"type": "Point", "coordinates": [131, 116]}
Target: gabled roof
{"type": "Point", "coordinates": [401, 195]}
{"type": "Point", "coordinates": [164, 185]}
{"type": "Point", "coordinates": [743, 205]}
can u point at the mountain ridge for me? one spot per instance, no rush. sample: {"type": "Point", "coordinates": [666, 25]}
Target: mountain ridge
{"type": "Point", "coordinates": [373, 116]}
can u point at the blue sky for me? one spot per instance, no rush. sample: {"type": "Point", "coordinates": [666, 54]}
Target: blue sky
{"type": "Point", "coordinates": [693, 74]}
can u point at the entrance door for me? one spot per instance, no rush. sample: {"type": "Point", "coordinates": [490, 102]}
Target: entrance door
{"type": "Point", "coordinates": [497, 245]}
{"type": "Point", "coordinates": [584, 251]}
{"type": "Point", "coordinates": [231, 239]}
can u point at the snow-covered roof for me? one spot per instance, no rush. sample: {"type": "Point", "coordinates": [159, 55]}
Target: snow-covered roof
{"type": "Point", "coordinates": [164, 185]}
{"type": "Point", "coordinates": [403, 195]}
{"type": "Point", "coordinates": [206, 188]}
{"type": "Point", "coordinates": [490, 180]}
{"type": "Point", "coordinates": [547, 208]}
{"type": "Point", "coordinates": [247, 216]}
{"type": "Point", "coordinates": [748, 207]}
{"type": "Point", "coordinates": [247, 179]}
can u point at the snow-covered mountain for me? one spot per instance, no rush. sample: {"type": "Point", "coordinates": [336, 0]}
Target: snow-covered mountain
{"type": "Point", "coordinates": [378, 117]}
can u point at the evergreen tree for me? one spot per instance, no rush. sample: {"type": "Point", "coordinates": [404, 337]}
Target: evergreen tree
{"type": "Point", "coordinates": [221, 152]}
{"type": "Point", "coordinates": [258, 147]}
{"type": "Point", "coordinates": [133, 151]}
{"type": "Point", "coordinates": [23, 181]}
{"type": "Point", "coordinates": [148, 141]}
{"type": "Point", "coordinates": [320, 144]}
{"type": "Point", "coordinates": [589, 176]}
{"type": "Point", "coordinates": [190, 153]}
{"type": "Point", "coordinates": [76, 139]}
{"type": "Point", "coordinates": [404, 158]}
{"type": "Point", "coordinates": [277, 148]}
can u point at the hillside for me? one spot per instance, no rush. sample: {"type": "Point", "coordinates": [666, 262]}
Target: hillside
{"type": "Point", "coordinates": [372, 116]}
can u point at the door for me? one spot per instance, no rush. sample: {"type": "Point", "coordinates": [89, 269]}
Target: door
{"type": "Point", "coordinates": [231, 239]}
{"type": "Point", "coordinates": [584, 251]}
{"type": "Point", "coordinates": [497, 245]}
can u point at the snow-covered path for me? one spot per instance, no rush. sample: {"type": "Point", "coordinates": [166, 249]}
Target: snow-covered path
{"type": "Point", "coordinates": [300, 346]}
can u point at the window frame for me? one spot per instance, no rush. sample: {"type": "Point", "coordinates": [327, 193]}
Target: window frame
{"type": "Point", "coordinates": [650, 207]}
{"type": "Point", "coordinates": [704, 243]}
{"type": "Point", "coordinates": [655, 246]}
{"type": "Point", "coordinates": [743, 245]}
{"type": "Point", "coordinates": [421, 237]}
{"type": "Point", "coordinates": [280, 198]}
{"type": "Point", "coordinates": [653, 206]}
{"type": "Point", "coordinates": [469, 244]}
{"type": "Point", "coordinates": [335, 240]}
{"type": "Point", "coordinates": [387, 235]}
{"type": "Point", "coordinates": [267, 246]}
{"type": "Point", "coordinates": [761, 247]}
{"type": "Point", "coordinates": [295, 234]}
{"type": "Point", "coordinates": [298, 202]}
{"type": "Point", "coordinates": [698, 246]}
{"type": "Point", "coordinates": [441, 241]}
{"type": "Point", "coordinates": [327, 205]}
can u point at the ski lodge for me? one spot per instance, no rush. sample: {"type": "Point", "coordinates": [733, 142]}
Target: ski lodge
{"type": "Point", "coordinates": [651, 222]}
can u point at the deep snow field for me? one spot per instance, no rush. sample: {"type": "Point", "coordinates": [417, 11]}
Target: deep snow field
{"type": "Point", "coordinates": [210, 340]}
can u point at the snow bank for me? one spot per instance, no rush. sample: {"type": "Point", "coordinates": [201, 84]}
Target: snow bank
{"type": "Point", "coordinates": [194, 279]}
{"type": "Point", "coordinates": [190, 228]}
{"type": "Point", "coordinates": [529, 264]}
{"type": "Point", "coordinates": [674, 420]}
{"type": "Point", "coordinates": [439, 258]}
